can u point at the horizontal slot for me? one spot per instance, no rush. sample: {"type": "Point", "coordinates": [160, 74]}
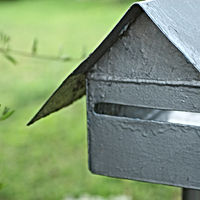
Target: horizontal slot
{"type": "Point", "coordinates": [134, 112]}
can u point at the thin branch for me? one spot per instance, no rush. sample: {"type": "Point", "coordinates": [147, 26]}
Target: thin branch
{"type": "Point", "coordinates": [36, 56]}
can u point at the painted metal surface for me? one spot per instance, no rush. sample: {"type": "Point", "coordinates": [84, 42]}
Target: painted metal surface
{"type": "Point", "coordinates": [149, 62]}
{"type": "Point", "coordinates": [144, 113]}
{"type": "Point", "coordinates": [145, 53]}
{"type": "Point", "coordinates": [178, 20]}
{"type": "Point", "coordinates": [145, 150]}
{"type": "Point", "coordinates": [56, 101]}
{"type": "Point", "coordinates": [149, 73]}
{"type": "Point", "coordinates": [178, 98]}
{"type": "Point", "coordinates": [72, 89]}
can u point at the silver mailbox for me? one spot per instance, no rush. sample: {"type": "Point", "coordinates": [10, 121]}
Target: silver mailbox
{"type": "Point", "coordinates": [143, 96]}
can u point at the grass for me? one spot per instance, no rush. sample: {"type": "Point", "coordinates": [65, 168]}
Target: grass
{"type": "Point", "coordinates": [49, 159]}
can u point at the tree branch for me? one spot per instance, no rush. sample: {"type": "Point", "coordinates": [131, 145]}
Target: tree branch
{"type": "Point", "coordinates": [36, 56]}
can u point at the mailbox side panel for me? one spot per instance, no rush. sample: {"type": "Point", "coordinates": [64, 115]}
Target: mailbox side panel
{"type": "Point", "coordinates": [144, 150]}
{"type": "Point", "coordinates": [144, 69]}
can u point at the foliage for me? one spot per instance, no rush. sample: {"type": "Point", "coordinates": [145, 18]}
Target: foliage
{"type": "Point", "coordinates": [7, 112]}
{"type": "Point", "coordinates": [4, 47]}
{"type": "Point", "coordinates": [5, 115]}
{"type": "Point", "coordinates": [7, 52]}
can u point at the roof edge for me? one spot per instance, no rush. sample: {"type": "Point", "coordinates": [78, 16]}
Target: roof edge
{"type": "Point", "coordinates": [129, 17]}
{"type": "Point", "coordinates": [55, 102]}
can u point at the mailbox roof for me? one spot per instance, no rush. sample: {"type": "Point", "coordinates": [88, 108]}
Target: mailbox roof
{"type": "Point", "coordinates": [179, 21]}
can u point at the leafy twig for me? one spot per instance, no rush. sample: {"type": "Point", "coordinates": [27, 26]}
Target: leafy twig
{"type": "Point", "coordinates": [7, 112]}
{"type": "Point", "coordinates": [37, 56]}
{"type": "Point", "coordinates": [7, 52]}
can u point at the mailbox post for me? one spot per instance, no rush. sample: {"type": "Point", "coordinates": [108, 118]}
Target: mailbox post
{"type": "Point", "coordinates": [143, 97]}
{"type": "Point", "coordinates": [189, 194]}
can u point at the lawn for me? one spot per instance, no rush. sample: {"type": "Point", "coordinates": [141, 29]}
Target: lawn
{"type": "Point", "coordinates": [48, 161]}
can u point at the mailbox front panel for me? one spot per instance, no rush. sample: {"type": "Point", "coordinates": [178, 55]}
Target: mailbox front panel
{"type": "Point", "coordinates": [146, 150]}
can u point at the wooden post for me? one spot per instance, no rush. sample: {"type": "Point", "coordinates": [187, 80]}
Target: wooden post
{"type": "Point", "coordinates": [190, 194]}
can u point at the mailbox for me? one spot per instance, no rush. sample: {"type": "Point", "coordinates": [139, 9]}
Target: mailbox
{"type": "Point", "coordinates": [143, 96]}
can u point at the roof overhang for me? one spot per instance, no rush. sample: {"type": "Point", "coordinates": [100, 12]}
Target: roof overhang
{"type": "Point", "coordinates": [178, 20]}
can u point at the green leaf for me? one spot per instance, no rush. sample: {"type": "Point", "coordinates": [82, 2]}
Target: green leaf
{"type": "Point", "coordinates": [6, 113]}
{"type": "Point", "coordinates": [1, 186]}
{"type": "Point", "coordinates": [84, 52]}
{"type": "Point", "coordinates": [35, 46]}
{"type": "Point", "coordinates": [65, 58]}
{"type": "Point", "coordinates": [10, 58]}
{"type": "Point", "coordinates": [4, 38]}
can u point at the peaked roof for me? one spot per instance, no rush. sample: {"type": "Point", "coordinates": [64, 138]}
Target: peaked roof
{"type": "Point", "coordinates": [179, 20]}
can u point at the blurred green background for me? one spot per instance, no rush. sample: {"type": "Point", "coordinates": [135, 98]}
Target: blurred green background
{"type": "Point", "coordinates": [48, 161]}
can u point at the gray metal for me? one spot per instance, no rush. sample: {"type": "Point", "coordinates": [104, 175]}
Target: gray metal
{"type": "Point", "coordinates": [149, 73]}
{"type": "Point", "coordinates": [150, 61]}
{"type": "Point", "coordinates": [143, 113]}
{"type": "Point", "coordinates": [178, 20]}
{"type": "Point", "coordinates": [145, 150]}
{"type": "Point", "coordinates": [145, 53]}
{"type": "Point", "coordinates": [177, 98]}
{"type": "Point", "coordinates": [77, 78]}
{"type": "Point", "coordinates": [189, 194]}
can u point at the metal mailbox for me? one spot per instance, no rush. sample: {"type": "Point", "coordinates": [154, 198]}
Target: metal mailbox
{"type": "Point", "coordinates": [140, 83]}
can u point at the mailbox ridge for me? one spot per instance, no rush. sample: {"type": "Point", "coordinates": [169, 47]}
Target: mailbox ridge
{"type": "Point", "coordinates": [178, 21]}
